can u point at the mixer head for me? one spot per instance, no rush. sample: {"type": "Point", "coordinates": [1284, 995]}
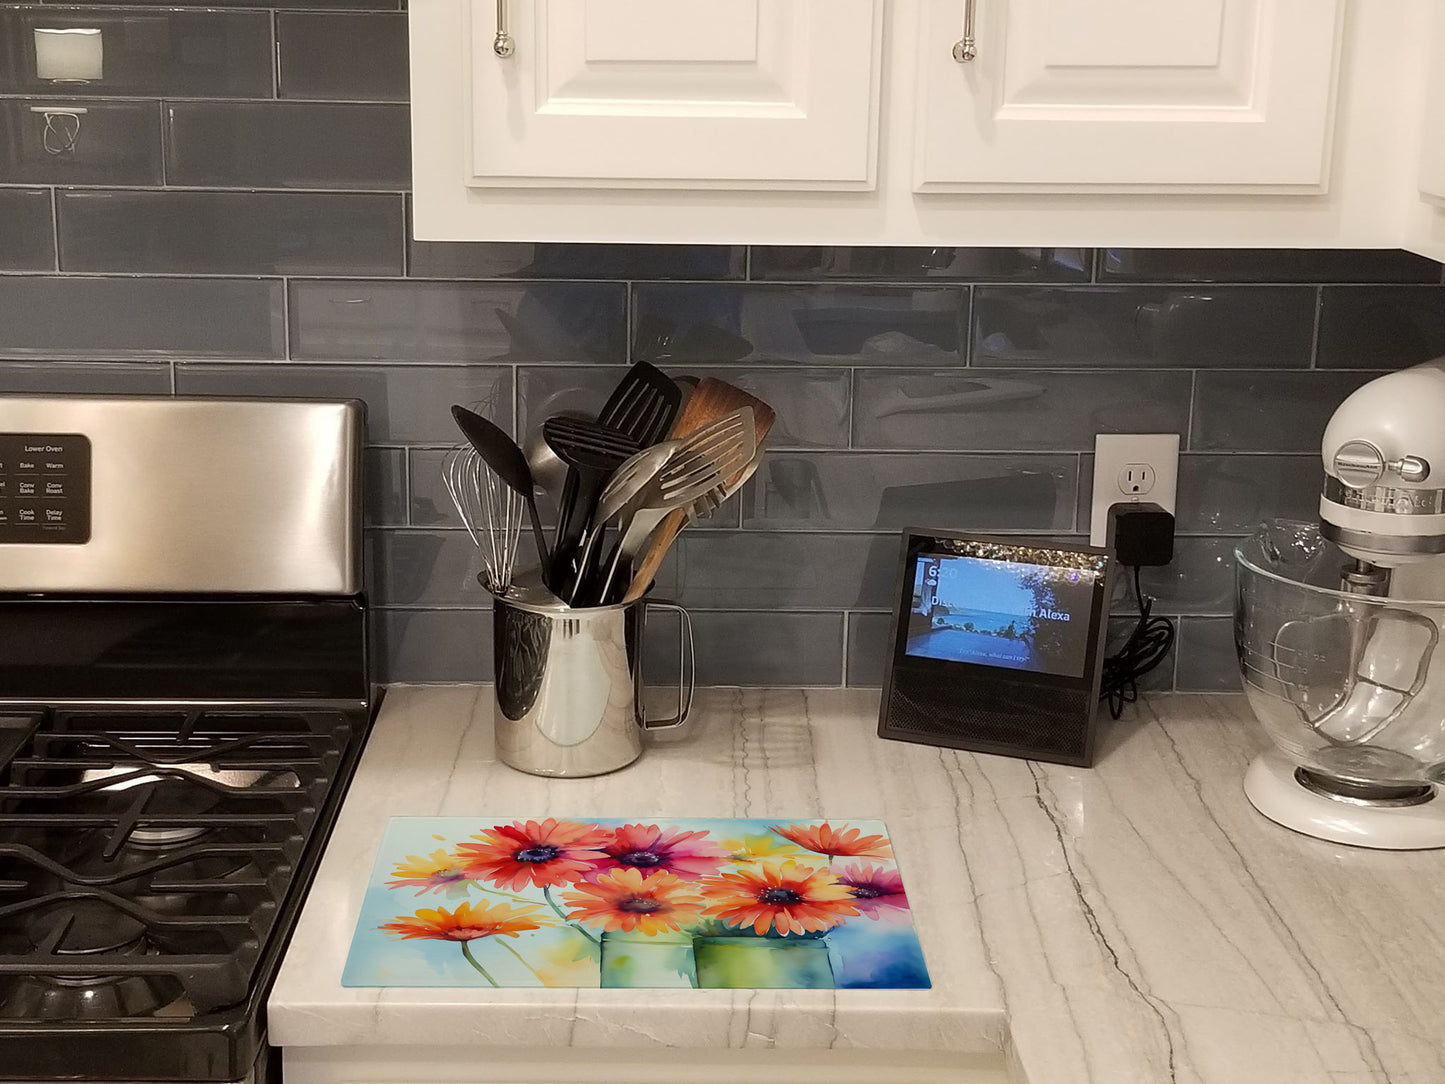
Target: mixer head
{"type": "Point", "coordinates": [1384, 455]}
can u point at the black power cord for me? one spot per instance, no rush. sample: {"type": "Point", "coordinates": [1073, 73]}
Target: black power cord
{"type": "Point", "coordinates": [1145, 649]}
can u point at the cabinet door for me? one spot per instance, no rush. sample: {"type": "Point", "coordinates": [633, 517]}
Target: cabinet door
{"type": "Point", "coordinates": [1128, 95]}
{"type": "Point", "coordinates": [675, 94]}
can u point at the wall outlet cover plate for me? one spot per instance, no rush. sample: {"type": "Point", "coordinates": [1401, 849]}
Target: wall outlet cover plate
{"type": "Point", "coordinates": [1132, 467]}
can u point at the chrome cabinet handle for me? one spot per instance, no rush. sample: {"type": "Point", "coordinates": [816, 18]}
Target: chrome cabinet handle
{"type": "Point", "coordinates": [966, 47]}
{"type": "Point", "coordinates": [502, 44]}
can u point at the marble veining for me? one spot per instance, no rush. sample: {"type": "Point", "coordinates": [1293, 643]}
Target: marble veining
{"type": "Point", "coordinates": [1137, 922]}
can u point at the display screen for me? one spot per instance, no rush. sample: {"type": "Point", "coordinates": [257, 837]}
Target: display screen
{"type": "Point", "coordinates": [1003, 613]}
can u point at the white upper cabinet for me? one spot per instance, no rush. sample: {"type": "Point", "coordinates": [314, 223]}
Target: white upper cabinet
{"type": "Point", "coordinates": [1426, 225]}
{"type": "Point", "coordinates": [1252, 123]}
{"type": "Point", "coordinates": [1128, 95]}
{"type": "Point", "coordinates": [675, 93]}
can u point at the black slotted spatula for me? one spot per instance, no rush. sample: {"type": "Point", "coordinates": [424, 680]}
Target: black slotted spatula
{"type": "Point", "coordinates": [592, 452]}
{"type": "Point", "coordinates": [644, 405]}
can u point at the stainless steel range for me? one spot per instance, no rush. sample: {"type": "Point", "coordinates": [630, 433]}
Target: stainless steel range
{"type": "Point", "coordinates": [183, 697]}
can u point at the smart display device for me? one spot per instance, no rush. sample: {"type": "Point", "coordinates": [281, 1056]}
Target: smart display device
{"type": "Point", "coordinates": [997, 645]}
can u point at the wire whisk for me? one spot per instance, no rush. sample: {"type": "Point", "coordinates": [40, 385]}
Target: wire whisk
{"type": "Point", "coordinates": [491, 510]}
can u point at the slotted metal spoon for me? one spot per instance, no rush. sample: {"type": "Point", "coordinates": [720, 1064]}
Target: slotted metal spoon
{"type": "Point", "coordinates": [622, 488]}
{"type": "Point", "coordinates": [701, 465]}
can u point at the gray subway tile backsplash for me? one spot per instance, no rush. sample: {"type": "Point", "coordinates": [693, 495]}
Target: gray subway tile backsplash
{"type": "Point", "coordinates": [812, 404]}
{"type": "Point", "coordinates": [779, 570]}
{"type": "Point", "coordinates": [1017, 410]}
{"type": "Point", "coordinates": [330, 145]}
{"type": "Point", "coordinates": [829, 491]}
{"type": "Point", "coordinates": [412, 568]}
{"type": "Point", "coordinates": [450, 321]}
{"type": "Point", "coordinates": [1232, 494]}
{"type": "Point", "coordinates": [868, 648]}
{"type": "Point", "coordinates": [428, 503]}
{"type": "Point", "coordinates": [1264, 265]}
{"type": "Point", "coordinates": [721, 323]}
{"type": "Point", "coordinates": [1381, 327]}
{"type": "Point", "coordinates": [505, 259]}
{"type": "Point", "coordinates": [386, 502]}
{"type": "Point", "coordinates": [763, 648]}
{"type": "Point", "coordinates": [27, 230]}
{"type": "Point", "coordinates": [121, 317]}
{"type": "Point", "coordinates": [1109, 327]}
{"type": "Point", "coordinates": [230, 233]}
{"type": "Point", "coordinates": [1200, 579]}
{"type": "Point", "coordinates": [91, 377]}
{"type": "Point", "coordinates": [1207, 660]}
{"type": "Point", "coordinates": [148, 53]}
{"type": "Point", "coordinates": [432, 645]}
{"type": "Point", "coordinates": [346, 56]}
{"type": "Point", "coordinates": [405, 404]}
{"type": "Point", "coordinates": [109, 143]}
{"type": "Point", "coordinates": [896, 264]}
{"type": "Point", "coordinates": [1267, 412]}
{"type": "Point", "coordinates": [232, 218]}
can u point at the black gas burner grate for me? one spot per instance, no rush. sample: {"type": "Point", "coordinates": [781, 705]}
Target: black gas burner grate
{"type": "Point", "coordinates": [145, 856]}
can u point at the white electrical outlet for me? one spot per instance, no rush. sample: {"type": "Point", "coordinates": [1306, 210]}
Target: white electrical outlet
{"type": "Point", "coordinates": [1132, 467]}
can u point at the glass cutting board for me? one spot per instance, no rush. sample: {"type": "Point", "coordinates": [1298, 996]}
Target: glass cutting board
{"type": "Point", "coordinates": [692, 903]}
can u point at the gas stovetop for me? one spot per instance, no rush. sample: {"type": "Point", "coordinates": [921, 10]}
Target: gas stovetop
{"type": "Point", "coordinates": [146, 859]}
{"type": "Point", "coordinates": [183, 698]}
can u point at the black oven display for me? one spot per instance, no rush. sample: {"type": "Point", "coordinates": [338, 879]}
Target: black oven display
{"type": "Point", "coordinates": [44, 488]}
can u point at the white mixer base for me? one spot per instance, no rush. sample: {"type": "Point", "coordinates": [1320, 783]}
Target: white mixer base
{"type": "Point", "coordinates": [1271, 787]}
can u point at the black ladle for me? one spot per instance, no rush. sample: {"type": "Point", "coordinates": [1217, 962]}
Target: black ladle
{"type": "Point", "coordinates": [500, 452]}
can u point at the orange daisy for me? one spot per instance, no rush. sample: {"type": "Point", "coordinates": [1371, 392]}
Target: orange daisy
{"type": "Point", "coordinates": [440, 872]}
{"type": "Point", "coordinates": [825, 839]}
{"type": "Point", "coordinates": [789, 898]}
{"type": "Point", "coordinates": [627, 899]}
{"type": "Point", "coordinates": [550, 852]}
{"type": "Point", "coordinates": [466, 923]}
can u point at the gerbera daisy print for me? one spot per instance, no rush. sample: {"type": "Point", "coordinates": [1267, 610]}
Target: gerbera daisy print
{"type": "Point", "coordinates": [535, 853]}
{"type": "Point", "coordinates": [875, 889]}
{"type": "Point", "coordinates": [648, 846]}
{"type": "Point", "coordinates": [628, 899]}
{"type": "Point", "coordinates": [761, 903]}
{"type": "Point", "coordinates": [825, 839]}
{"type": "Point", "coordinates": [787, 899]}
{"type": "Point", "coordinates": [439, 872]}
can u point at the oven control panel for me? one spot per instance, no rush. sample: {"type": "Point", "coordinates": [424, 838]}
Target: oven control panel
{"type": "Point", "coordinates": [44, 488]}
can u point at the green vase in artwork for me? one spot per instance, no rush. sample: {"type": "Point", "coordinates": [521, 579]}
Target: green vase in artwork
{"type": "Point", "coordinates": [637, 961]}
{"type": "Point", "coordinates": [743, 962]}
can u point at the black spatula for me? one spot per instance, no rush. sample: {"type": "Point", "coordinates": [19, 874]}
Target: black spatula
{"type": "Point", "coordinates": [500, 452]}
{"type": "Point", "coordinates": [643, 405]}
{"type": "Point", "coordinates": [592, 452]}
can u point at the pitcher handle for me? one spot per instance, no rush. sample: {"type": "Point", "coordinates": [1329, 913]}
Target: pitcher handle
{"type": "Point", "coordinates": [687, 678]}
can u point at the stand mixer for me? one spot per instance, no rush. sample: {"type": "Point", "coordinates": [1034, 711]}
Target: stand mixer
{"type": "Point", "coordinates": [1338, 628]}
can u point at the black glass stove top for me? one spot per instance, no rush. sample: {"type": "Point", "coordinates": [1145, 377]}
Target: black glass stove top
{"type": "Point", "coordinates": [151, 864]}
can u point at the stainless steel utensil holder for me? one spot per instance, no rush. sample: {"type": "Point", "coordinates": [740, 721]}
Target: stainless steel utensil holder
{"type": "Point", "coordinates": [569, 685]}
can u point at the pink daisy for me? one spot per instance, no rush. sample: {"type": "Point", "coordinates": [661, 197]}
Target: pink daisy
{"type": "Point", "coordinates": [874, 888]}
{"type": "Point", "coordinates": [647, 847]}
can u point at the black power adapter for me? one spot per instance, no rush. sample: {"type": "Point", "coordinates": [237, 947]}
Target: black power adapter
{"type": "Point", "coordinates": [1139, 534]}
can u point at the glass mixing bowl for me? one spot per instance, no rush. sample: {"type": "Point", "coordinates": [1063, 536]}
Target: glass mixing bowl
{"type": "Point", "coordinates": [1348, 686]}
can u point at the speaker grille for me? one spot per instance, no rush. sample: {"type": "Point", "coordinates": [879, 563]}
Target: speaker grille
{"type": "Point", "coordinates": [1001, 716]}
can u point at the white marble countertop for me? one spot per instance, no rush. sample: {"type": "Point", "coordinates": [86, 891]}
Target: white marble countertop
{"type": "Point", "coordinates": [1137, 922]}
